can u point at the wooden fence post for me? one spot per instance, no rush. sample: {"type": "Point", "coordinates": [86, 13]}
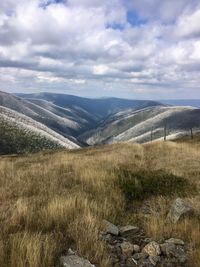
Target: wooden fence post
{"type": "Point", "coordinates": [165, 132]}
{"type": "Point", "coordinates": [151, 134]}
{"type": "Point", "coordinates": [191, 132]}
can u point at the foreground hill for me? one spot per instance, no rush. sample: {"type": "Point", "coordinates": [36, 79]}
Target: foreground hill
{"type": "Point", "coordinates": [20, 134]}
{"type": "Point", "coordinates": [50, 202]}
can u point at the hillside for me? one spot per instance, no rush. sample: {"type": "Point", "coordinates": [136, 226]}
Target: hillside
{"type": "Point", "coordinates": [20, 134]}
{"type": "Point", "coordinates": [59, 200]}
{"type": "Point", "coordinates": [94, 108]}
{"type": "Point", "coordinates": [83, 121]}
{"type": "Point", "coordinates": [144, 124]}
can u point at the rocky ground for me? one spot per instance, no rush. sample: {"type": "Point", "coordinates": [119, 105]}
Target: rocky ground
{"type": "Point", "coordinates": [128, 246]}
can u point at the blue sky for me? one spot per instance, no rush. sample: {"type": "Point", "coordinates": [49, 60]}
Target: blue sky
{"type": "Point", "coordinates": [147, 49]}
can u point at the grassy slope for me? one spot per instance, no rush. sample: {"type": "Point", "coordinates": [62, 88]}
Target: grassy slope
{"type": "Point", "coordinates": [16, 140]}
{"type": "Point", "coordinates": [50, 201]}
{"type": "Point", "coordinates": [187, 139]}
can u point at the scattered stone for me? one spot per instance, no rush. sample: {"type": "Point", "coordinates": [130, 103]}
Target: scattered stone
{"type": "Point", "coordinates": [152, 249]}
{"type": "Point", "coordinates": [127, 249]}
{"type": "Point", "coordinates": [174, 251]}
{"type": "Point", "coordinates": [179, 209]}
{"type": "Point", "coordinates": [111, 228]}
{"type": "Point", "coordinates": [74, 261]}
{"type": "Point", "coordinates": [138, 256]}
{"type": "Point", "coordinates": [175, 241]}
{"type": "Point", "coordinates": [145, 263]}
{"type": "Point", "coordinates": [131, 262]}
{"type": "Point", "coordinates": [147, 240]}
{"type": "Point", "coordinates": [128, 230]}
{"type": "Point", "coordinates": [180, 254]}
{"type": "Point", "coordinates": [136, 248]}
{"type": "Point", "coordinates": [154, 260]}
{"type": "Point", "coordinates": [167, 249]}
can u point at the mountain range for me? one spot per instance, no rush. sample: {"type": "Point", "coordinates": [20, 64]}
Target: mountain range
{"type": "Point", "coordinates": [31, 122]}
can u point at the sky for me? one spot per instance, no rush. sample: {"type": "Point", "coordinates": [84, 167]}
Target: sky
{"type": "Point", "coordinates": [144, 49]}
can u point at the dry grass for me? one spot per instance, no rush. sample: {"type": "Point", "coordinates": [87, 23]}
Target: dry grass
{"type": "Point", "coordinates": [52, 201]}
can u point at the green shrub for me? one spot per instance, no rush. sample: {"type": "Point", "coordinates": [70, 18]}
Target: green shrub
{"type": "Point", "coordinates": [143, 184]}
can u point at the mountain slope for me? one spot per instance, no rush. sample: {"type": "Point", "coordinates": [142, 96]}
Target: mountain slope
{"type": "Point", "coordinates": [20, 134]}
{"type": "Point", "coordinates": [94, 109]}
{"type": "Point", "coordinates": [69, 115]}
{"type": "Point", "coordinates": [64, 121]}
{"type": "Point", "coordinates": [87, 121]}
{"type": "Point", "coordinates": [138, 125]}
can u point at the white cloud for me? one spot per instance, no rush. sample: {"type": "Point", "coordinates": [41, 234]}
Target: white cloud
{"type": "Point", "coordinates": [88, 44]}
{"type": "Point", "coordinates": [188, 25]}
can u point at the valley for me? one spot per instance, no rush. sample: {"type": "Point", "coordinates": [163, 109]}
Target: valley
{"type": "Point", "coordinates": [66, 121]}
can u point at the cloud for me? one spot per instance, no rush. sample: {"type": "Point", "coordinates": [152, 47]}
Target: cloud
{"type": "Point", "coordinates": [89, 45]}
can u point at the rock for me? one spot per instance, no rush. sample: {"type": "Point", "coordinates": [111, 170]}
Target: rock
{"type": "Point", "coordinates": [128, 230]}
{"type": "Point", "coordinates": [147, 240]}
{"type": "Point", "coordinates": [180, 254]}
{"type": "Point", "coordinates": [74, 261]}
{"type": "Point", "coordinates": [70, 252]}
{"type": "Point", "coordinates": [179, 209]}
{"type": "Point", "coordinates": [138, 256]}
{"type": "Point", "coordinates": [167, 249]}
{"type": "Point", "coordinates": [154, 260]}
{"type": "Point", "coordinates": [175, 241]}
{"type": "Point", "coordinates": [145, 263]}
{"type": "Point", "coordinates": [152, 249]}
{"type": "Point", "coordinates": [174, 251]}
{"type": "Point", "coordinates": [131, 262]}
{"type": "Point", "coordinates": [127, 249]}
{"type": "Point", "coordinates": [111, 228]}
{"type": "Point", "coordinates": [136, 248]}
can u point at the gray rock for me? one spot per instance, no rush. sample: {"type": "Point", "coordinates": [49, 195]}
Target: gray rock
{"type": "Point", "coordinates": [179, 209]}
{"type": "Point", "coordinates": [131, 262]}
{"type": "Point", "coordinates": [145, 263]}
{"type": "Point", "coordinates": [136, 248]}
{"type": "Point", "coordinates": [110, 228]}
{"type": "Point", "coordinates": [154, 260]}
{"type": "Point", "coordinates": [127, 248]}
{"type": "Point", "coordinates": [74, 261]}
{"type": "Point", "coordinates": [174, 251]}
{"type": "Point", "coordinates": [140, 256]}
{"type": "Point", "coordinates": [180, 254]}
{"type": "Point", "coordinates": [175, 241]}
{"type": "Point", "coordinates": [167, 249]}
{"type": "Point", "coordinates": [147, 240]}
{"type": "Point", "coordinates": [128, 230]}
{"type": "Point", "coordinates": [152, 249]}
{"type": "Point", "coordinates": [70, 252]}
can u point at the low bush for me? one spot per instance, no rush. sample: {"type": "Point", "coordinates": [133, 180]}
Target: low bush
{"type": "Point", "coordinates": [143, 184]}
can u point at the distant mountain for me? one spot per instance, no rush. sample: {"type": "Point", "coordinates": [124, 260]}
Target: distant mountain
{"type": "Point", "coordinates": [144, 124]}
{"type": "Point", "coordinates": [182, 102]}
{"type": "Point", "coordinates": [47, 120]}
{"type": "Point", "coordinates": [72, 115]}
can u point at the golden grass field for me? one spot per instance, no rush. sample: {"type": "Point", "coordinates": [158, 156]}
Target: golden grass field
{"type": "Point", "coordinates": [51, 201]}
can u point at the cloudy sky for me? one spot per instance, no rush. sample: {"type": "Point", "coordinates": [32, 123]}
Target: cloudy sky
{"type": "Point", "coordinates": [125, 48]}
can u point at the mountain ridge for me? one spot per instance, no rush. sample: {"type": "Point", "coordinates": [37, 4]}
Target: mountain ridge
{"type": "Point", "coordinates": [85, 121]}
